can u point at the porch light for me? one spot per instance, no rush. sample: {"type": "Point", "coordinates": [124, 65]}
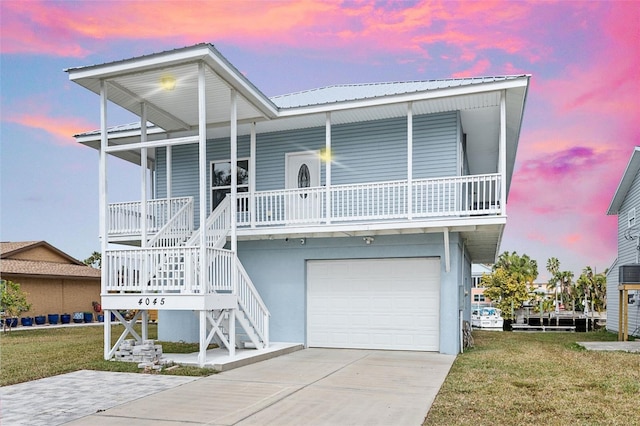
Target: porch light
{"type": "Point", "coordinates": [168, 82]}
{"type": "Point", "coordinates": [325, 155]}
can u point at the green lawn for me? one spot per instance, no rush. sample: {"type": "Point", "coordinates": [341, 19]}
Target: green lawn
{"type": "Point", "coordinates": [34, 354]}
{"type": "Point", "coordinates": [539, 378]}
{"type": "Point", "coordinates": [505, 379]}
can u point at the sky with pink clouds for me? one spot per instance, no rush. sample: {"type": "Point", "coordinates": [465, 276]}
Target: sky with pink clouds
{"type": "Point", "coordinates": [581, 119]}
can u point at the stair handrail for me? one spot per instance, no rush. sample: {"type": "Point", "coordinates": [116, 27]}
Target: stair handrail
{"type": "Point", "coordinates": [166, 233]}
{"type": "Point", "coordinates": [257, 312]}
{"type": "Point", "coordinates": [217, 226]}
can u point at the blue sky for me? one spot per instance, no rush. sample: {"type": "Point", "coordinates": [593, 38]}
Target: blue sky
{"type": "Point", "coordinates": [581, 119]}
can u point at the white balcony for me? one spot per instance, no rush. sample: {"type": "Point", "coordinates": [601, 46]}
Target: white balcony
{"type": "Point", "coordinates": [462, 196]}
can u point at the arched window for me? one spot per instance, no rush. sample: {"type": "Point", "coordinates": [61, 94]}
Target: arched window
{"type": "Point", "coordinates": [304, 178]}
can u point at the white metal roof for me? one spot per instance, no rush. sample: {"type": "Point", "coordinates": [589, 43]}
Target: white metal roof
{"type": "Point", "coordinates": [352, 92]}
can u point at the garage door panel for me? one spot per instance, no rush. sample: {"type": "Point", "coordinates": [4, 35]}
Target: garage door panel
{"type": "Point", "coordinates": [374, 303]}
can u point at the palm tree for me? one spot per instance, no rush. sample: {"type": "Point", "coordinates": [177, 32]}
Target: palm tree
{"type": "Point", "coordinates": [553, 266]}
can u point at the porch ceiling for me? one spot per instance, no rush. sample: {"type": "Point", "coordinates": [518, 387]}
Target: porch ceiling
{"type": "Point", "coordinates": [483, 243]}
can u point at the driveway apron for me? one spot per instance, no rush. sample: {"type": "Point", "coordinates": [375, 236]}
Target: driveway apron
{"type": "Point", "coordinates": [310, 387]}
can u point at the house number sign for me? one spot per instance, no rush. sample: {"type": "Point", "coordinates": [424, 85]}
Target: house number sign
{"type": "Point", "coordinates": [151, 301]}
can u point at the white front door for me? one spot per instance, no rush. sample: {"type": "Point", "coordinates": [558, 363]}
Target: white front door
{"type": "Point", "coordinates": [303, 171]}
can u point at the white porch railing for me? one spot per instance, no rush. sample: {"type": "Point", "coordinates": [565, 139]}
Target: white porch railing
{"type": "Point", "coordinates": [153, 269]}
{"type": "Point", "coordinates": [452, 196]}
{"type": "Point", "coordinates": [125, 218]}
{"type": "Point", "coordinates": [217, 225]}
{"type": "Point", "coordinates": [177, 230]}
{"type": "Point", "coordinates": [252, 304]}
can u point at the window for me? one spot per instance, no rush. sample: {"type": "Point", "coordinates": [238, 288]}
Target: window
{"type": "Point", "coordinates": [478, 298]}
{"type": "Point", "coordinates": [221, 182]}
{"type": "Point", "coordinates": [631, 218]}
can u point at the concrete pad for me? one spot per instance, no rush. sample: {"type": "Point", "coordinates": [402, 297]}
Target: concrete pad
{"type": "Point", "coordinates": [612, 346]}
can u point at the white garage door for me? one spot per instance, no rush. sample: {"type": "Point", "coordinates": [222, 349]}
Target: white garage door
{"type": "Point", "coordinates": [374, 303]}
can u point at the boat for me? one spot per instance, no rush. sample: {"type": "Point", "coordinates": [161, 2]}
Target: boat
{"type": "Point", "coordinates": [487, 317]}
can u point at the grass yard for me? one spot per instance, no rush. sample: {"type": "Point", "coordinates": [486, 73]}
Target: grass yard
{"type": "Point", "coordinates": [539, 378]}
{"type": "Point", "coordinates": [34, 354]}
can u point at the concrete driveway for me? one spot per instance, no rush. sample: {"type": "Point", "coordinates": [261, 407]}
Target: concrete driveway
{"type": "Point", "coordinates": [308, 387]}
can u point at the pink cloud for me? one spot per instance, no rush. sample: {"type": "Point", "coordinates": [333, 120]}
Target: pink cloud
{"type": "Point", "coordinates": [61, 129]}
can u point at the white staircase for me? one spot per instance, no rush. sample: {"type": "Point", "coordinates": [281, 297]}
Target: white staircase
{"type": "Point", "coordinates": [225, 274]}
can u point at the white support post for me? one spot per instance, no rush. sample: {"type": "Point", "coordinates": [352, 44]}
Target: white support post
{"type": "Point", "coordinates": [233, 123]}
{"type": "Point", "coordinates": [145, 325]}
{"type": "Point", "coordinates": [252, 176]}
{"type": "Point", "coordinates": [202, 165]}
{"type": "Point", "coordinates": [447, 256]}
{"type": "Point", "coordinates": [104, 207]}
{"type": "Point", "coordinates": [143, 179]}
{"type": "Point", "coordinates": [169, 166]}
{"type": "Point", "coordinates": [232, 332]}
{"type": "Point", "coordinates": [503, 153]}
{"type": "Point", "coordinates": [327, 159]}
{"type": "Point", "coordinates": [410, 160]}
{"type": "Point", "coordinates": [202, 355]}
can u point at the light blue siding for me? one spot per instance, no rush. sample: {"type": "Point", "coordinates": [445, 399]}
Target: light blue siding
{"type": "Point", "coordinates": [372, 151]}
{"type": "Point", "coordinates": [435, 145]}
{"type": "Point", "coordinates": [278, 270]}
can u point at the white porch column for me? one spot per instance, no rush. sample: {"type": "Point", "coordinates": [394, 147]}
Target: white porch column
{"type": "Point", "coordinates": [502, 156]}
{"type": "Point", "coordinates": [143, 178]}
{"type": "Point", "coordinates": [202, 354]}
{"type": "Point", "coordinates": [104, 208]}
{"type": "Point", "coordinates": [252, 176]}
{"type": "Point", "coordinates": [410, 160]}
{"type": "Point", "coordinates": [327, 159]}
{"type": "Point", "coordinates": [233, 123]}
{"type": "Point", "coordinates": [168, 171]}
{"type": "Point", "coordinates": [202, 167]}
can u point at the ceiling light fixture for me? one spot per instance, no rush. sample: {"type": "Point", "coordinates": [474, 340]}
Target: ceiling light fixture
{"type": "Point", "coordinates": [168, 82]}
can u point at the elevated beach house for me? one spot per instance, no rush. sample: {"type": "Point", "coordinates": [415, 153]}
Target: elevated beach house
{"type": "Point", "coordinates": [346, 216]}
{"type": "Point", "coordinates": [623, 292]}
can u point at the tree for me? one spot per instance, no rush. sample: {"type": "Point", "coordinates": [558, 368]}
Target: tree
{"type": "Point", "coordinates": [522, 268]}
{"type": "Point", "coordinates": [510, 282]}
{"type": "Point", "coordinates": [505, 289]}
{"type": "Point", "coordinates": [593, 287]}
{"type": "Point", "coordinates": [95, 260]}
{"type": "Point", "coordinates": [13, 300]}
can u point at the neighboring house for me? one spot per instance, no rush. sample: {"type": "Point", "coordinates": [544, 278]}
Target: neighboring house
{"type": "Point", "coordinates": [477, 289]}
{"type": "Point", "coordinates": [626, 205]}
{"type": "Point", "coordinates": [55, 282]}
{"type": "Point", "coordinates": [356, 210]}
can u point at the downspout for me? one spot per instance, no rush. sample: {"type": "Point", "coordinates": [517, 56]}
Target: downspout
{"type": "Point", "coordinates": [104, 211]}
{"type": "Point", "coordinates": [447, 256]}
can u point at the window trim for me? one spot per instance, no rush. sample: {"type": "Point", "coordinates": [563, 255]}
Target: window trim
{"type": "Point", "coordinates": [631, 217]}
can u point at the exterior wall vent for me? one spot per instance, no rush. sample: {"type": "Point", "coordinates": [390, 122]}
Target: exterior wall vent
{"type": "Point", "coordinates": [629, 274]}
